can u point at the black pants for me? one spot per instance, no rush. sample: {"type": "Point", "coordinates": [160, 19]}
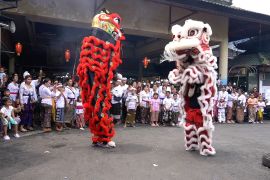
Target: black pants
{"type": "Point", "coordinates": [124, 111]}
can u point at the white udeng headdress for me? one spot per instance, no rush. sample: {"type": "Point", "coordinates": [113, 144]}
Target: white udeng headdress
{"type": "Point", "coordinates": [26, 73]}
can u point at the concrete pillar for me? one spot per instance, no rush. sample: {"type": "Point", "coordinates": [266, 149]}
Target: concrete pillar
{"type": "Point", "coordinates": [11, 65]}
{"type": "Point", "coordinates": [223, 61]}
{"type": "Point", "coordinates": [261, 78]}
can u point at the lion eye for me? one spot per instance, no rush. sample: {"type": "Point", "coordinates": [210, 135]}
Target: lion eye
{"type": "Point", "coordinates": [173, 36]}
{"type": "Point", "coordinates": [117, 20]}
{"type": "Point", "coordinates": [192, 32]}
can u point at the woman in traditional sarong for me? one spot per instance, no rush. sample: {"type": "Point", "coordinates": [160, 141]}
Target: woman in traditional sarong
{"type": "Point", "coordinates": [231, 99]}
{"type": "Point", "coordinates": [241, 105]}
{"type": "Point", "coordinates": [70, 108]}
{"type": "Point", "coordinates": [138, 87]}
{"type": "Point", "coordinates": [145, 106]}
{"type": "Point", "coordinates": [27, 98]}
{"type": "Point", "coordinates": [13, 87]}
{"type": "Point", "coordinates": [47, 96]}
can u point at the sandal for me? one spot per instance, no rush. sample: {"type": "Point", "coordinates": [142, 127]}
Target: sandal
{"type": "Point", "coordinates": [23, 130]}
{"type": "Point", "coordinates": [30, 128]}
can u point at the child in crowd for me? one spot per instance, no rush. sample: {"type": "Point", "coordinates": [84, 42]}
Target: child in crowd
{"type": "Point", "coordinates": [6, 93]}
{"type": "Point", "coordinates": [252, 104]}
{"type": "Point", "coordinates": [167, 106]}
{"type": "Point", "coordinates": [131, 104]}
{"type": "Point", "coordinates": [175, 109]}
{"type": "Point", "coordinates": [2, 74]}
{"type": "Point", "coordinates": [7, 116]}
{"type": "Point", "coordinates": [221, 105]}
{"type": "Point", "coordinates": [154, 109]}
{"type": "Point", "coordinates": [60, 100]}
{"type": "Point", "coordinates": [79, 113]}
{"type": "Point", "coordinates": [17, 110]}
{"type": "Point", "coordinates": [261, 106]}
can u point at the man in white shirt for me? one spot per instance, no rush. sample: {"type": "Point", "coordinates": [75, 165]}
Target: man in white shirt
{"type": "Point", "coordinates": [125, 94]}
{"type": "Point", "coordinates": [175, 109]}
{"type": "Point", "coordinates": [166, 85]}
{"type": "Point", "coordinates": [168, 105]}
{"type": "Point", "coordinates": [124, 84]}
{"type": "Point", "coordinates": [223, 94]}
{"type": "Point", "coordinates": [117, 94]}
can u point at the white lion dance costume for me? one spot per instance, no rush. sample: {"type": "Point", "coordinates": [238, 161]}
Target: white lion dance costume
{"type": "Point", "coordinates": [195, 71]}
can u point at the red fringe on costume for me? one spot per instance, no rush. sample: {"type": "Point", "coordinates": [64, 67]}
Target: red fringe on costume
{"type": "Point", "coordinates": [101, 58]}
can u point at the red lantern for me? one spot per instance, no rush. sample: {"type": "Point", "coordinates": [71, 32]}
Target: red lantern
{"type": "Point", "coordinates": [67, 55]}
{"type": "Point", "coordinates": [146, 61]}
{"type": "Point", "coordinates": [18, 48]}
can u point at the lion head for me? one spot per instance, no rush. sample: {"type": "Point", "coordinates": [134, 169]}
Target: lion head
{"type": "Point", "coordinates": [109, 22]}
{"type": "Point", "coordinates": [191, 39]}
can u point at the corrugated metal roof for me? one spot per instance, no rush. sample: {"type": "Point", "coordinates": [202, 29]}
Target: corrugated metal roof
{"type": "Point", "coordinates": [221, 9]}
{"type": "Point", "coordinates": [262, 58]}
{"type": "Point", "coordinates": [228, 6]}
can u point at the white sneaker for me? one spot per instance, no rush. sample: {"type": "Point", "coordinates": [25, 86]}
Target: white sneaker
{"type": "Point", "coordinates": [6, 138]}
{"type": "Point", "coordinates": [112, 144]}
{"type": "Point", "coordinates": [17, 135]}
{"type": "Point", "coordinates": [82, 128]}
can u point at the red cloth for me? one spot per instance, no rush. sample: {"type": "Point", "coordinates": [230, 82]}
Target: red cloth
{"type": "Point", "coordinates": [194, 116]}
{"type": "Point", "coordinates": [79, 107]}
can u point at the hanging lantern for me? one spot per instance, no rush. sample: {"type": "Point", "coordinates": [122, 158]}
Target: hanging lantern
{"type": "Point", "coordinates": [18, 48]}
{"type": "Point", "coordinates": [146, 61]}
{"type": "Point", "coordinates": [67, 55]}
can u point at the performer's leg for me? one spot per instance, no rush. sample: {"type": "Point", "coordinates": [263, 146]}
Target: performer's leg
{"type": "Point", "coordinates": [191, 137]}
{"type": "Point", "coordinates": [205, 141]}
{"type": "Point", "coordinates": [204, 135]}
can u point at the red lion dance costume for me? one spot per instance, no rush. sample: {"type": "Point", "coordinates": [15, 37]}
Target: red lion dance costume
{"type": "Point", "coordinates": [197, 76]}
{"type": "Point", "coordinates": [99, 58]}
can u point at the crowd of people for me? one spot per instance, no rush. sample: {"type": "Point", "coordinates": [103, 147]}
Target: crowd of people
{"type": "Point", "coordinates": [44, 103]}
{"type": "Point", "coordinates": [233, 104]}
{"type": "Point", "coordinates": [158, 103]}
{"type": "Point", "coordinates": [41, 102]}
{"type": "Point", "coordinates": [145, 102]}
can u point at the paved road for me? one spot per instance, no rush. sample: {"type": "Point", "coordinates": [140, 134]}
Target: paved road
{"type": "Point", "coordinates": [68, 155]}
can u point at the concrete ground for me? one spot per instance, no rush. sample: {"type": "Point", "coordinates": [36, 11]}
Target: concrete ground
{"type": "Point", "coordinates": [143, 153]}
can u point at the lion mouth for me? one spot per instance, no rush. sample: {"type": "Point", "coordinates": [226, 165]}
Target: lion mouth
{"type": "Point", "coordinates": [181, 52]}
